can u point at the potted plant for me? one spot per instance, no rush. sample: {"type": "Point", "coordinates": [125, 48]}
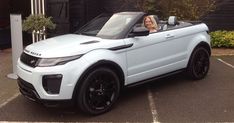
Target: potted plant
{"type": "Point", "coordinates": [37, 24]}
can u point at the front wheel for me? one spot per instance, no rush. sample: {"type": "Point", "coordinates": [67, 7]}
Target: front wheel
{"type": "Point", "coordinates": [99, 91]}
{"type": "Point", "coordinates": [199, 63]}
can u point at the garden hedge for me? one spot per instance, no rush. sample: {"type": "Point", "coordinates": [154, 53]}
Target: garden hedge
{"type": "Point", "coordinates": [222, 39]}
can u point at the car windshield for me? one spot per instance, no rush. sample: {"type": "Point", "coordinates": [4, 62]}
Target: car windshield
{"type": "Point", "coordinates": [108, 27]}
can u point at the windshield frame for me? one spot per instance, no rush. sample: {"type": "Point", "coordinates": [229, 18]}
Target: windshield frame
{"type": "Point", "coordinates": [123, 33]}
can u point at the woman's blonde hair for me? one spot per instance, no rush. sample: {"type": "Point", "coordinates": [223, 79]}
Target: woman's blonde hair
{"type": "Point", "coordinates": [154, 23]}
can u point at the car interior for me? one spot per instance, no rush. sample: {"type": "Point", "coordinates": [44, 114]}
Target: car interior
{"type": "Point", "coordinates": [171, 23]}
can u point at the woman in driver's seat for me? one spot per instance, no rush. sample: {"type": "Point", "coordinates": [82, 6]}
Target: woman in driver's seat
{"type": "Point", "coordinates": [150, 23]}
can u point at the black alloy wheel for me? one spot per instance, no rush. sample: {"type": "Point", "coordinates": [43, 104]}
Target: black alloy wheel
{"type": "Point", "coordinates": [99, 91]}
{"type": "Point", "coordinates": [199, 63]}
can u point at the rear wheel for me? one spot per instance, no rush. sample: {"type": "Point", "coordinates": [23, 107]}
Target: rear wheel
{"type": "Point", "coordinates": [199, 63]}
{"type": "Point", "coordinates": [99, 91]}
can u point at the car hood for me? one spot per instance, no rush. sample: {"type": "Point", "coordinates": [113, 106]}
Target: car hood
{"type": "Point", "coordinates": [68, 45]}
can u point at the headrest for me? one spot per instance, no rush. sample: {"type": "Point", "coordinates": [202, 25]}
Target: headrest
{"type": "Point", "coordinates": [172, 20]}
{"type": "Point", "coordinates": [156, 18]}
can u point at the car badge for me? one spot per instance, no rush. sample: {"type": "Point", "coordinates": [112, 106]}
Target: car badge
{"type": "Point", "coordinates": [32, 61]}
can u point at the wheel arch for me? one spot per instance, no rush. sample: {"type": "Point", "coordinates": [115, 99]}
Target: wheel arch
{"type": "Point", "coordinates": [201, 39]}
{"type": "Point", "coordinates": [200, 44]}
{"type": "Point", "coordinates": [194, 57]}
{"type": "Point", "coordinates": [205, 45]}
{"type": "Point", "coordinates": [102, 63]}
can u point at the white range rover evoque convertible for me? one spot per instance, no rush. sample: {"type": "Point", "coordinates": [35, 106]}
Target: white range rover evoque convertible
{"type": "Point", "coordinates": [91, 66]}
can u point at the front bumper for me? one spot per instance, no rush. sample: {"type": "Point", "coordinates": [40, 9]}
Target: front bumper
{"type": "Point", "coordinates": [28, 91]}
{"type": "Point", "coordinates": [31, 80]}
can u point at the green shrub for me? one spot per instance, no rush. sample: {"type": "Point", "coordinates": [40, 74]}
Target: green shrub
{"type": "Point", "coordinates": [37, 23]}
{"type": "Point", "coordinates": [222, 39]}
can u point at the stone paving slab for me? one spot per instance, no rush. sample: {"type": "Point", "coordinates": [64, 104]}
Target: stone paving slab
{"type": "Point", "coordinates": [222, 52]}
{"type": "Point", "coordinates": [8, 86]}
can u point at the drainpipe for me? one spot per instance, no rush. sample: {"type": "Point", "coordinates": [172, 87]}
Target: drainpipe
{"type": "Point", "coordinates": [32, 13]}
{"type": "Point", "coordinates": [36, 12]}
{"type": "Point", "coordinates": [43, 12]}
{"type": "Point", "coordinates": [32, 7]}
{"type": "Point", "coordinates": [43, 7]}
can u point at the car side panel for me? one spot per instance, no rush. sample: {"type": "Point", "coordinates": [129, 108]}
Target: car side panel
{"type": "Point", "coordinates": [154, 55]}
{"type": "Point", "coordinates": [198, 38]}
{"type": "Point", "coordinates": [159, 53]}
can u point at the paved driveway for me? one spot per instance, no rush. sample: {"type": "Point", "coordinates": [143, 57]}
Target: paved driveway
{"type": "Point", "coordinates": [172, 99]}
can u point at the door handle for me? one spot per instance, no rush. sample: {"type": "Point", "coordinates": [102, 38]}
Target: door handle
{"type": "Point", "coordinates": [169, 36]}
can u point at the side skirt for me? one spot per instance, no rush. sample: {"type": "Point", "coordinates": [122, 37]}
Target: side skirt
{"type": "Point", "coordinates": [154, 78]}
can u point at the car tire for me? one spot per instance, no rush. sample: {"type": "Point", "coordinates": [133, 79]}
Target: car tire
{"type": "Point", "coordinates": [99, 91]}
{"type": "Point", "coordinates": [199, 63]}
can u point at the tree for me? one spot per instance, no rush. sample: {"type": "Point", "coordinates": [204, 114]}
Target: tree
{"type": "Point", "coordinates": [183, 9]}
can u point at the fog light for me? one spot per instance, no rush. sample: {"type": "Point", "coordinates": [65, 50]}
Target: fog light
{"type": "Point", "coordinates": [52, 83]}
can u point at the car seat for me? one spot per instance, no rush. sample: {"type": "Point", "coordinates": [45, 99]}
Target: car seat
{"type": "Point", "coordinates": [171, 23]}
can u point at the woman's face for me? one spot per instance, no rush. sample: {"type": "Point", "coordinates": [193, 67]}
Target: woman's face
{"type": "Point", "coordinates": [148, 23]}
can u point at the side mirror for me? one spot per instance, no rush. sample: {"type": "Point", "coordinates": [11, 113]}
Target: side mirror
{"type": "Point", "coordinates": [139, 31]}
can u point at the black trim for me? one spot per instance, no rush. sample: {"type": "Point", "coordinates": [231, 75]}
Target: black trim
{"type": "Point", "coordinates": [27, 90]}
{"type": "Point", "coordinates": [121, 47]}
{"type": "Point", "coordinates": [155, 78]}
{"type": "Point", "coordinates": [29, 60]}
{"type": "Point", "coordinates": [90, 42]}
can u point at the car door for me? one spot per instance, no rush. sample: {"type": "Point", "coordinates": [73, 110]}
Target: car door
{"type": "Point", "coordinates": [155, 54]}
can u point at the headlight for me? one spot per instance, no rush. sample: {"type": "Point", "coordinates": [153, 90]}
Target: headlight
{"type": "Point", "coordinates": [46, 62]}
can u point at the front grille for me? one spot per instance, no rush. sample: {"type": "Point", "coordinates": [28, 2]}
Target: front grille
{"type": "Point", "coordinates": [29, 60]}
{"type": "Point", "coordinates": [27, 90]}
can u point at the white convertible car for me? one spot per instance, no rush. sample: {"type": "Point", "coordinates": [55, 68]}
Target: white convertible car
{"type": "Point", "coordinates": [91, 66]}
